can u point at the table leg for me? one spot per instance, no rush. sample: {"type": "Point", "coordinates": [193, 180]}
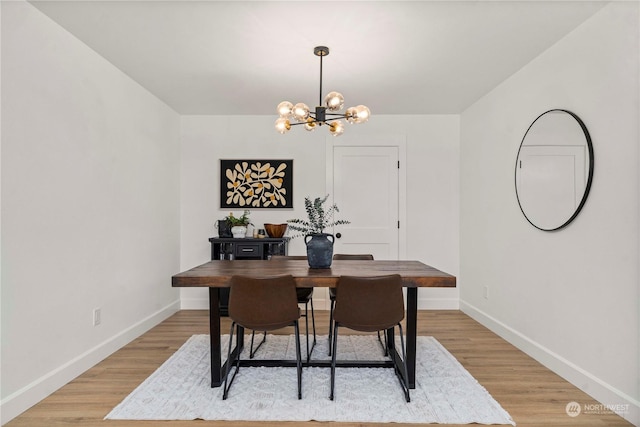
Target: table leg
{"type": "Point", "coordinates": [214, 336]}
{"type": "Point", "coordinates": [240, 345]}
{"type": "Point", "coordinates": [412, 332]}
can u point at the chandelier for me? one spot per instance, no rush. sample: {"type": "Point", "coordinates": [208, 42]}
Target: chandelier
{"type": "Point", "coordinates": [323, 115]}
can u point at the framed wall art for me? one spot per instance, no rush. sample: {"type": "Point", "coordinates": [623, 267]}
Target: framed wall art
{"type": "Point", "coordinates": [256, 183]}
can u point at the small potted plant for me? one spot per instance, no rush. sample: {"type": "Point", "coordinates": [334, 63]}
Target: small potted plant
{"type": "Point", "coordinates": [238, 224]}
{"type": "Point", "coordinates": [319, 244]}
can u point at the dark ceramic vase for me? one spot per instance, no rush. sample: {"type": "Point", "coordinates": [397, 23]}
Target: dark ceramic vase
{"type": "Point", "coordinates": [319, 249]}
{"type": "Point", "coordinates": [224, 229]}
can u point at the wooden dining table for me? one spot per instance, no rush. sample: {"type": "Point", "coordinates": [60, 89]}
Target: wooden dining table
{"type": "Point", "coordinates": [215, 275]}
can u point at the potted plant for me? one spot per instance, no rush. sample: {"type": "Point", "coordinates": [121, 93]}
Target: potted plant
{"type": "Point", "coordinates": [238, 224]}
{"type": "Point", "coordinates": [319, 244]}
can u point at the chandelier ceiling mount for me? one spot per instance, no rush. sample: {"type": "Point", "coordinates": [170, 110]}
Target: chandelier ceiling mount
{"type": "Point", "coordinates": [326, 114]}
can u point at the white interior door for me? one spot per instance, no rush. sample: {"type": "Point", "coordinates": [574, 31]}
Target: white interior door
{"type": "Point", "coordinates": [365, 188]}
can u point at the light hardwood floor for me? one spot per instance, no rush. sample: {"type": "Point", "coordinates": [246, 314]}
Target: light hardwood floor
{"type": "Point", "coordinates": [533, 395]}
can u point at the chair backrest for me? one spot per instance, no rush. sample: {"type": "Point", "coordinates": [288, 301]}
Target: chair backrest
{"type": "Point", "coordinates": [263, 304]}
{"type": "Point", "coordinates": [369, 303]}
{"type": "Point", "coordinates": [353, 257]}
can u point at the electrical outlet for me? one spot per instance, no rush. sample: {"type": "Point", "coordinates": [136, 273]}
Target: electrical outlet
{"type": "Point", "coordinates": [485, 292]}
{"type": "Point", "coordinates": [97, 316]}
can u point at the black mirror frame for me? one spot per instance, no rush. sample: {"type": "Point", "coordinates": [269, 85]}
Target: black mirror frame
{"type": "Point", "coordinates": [589, 178]}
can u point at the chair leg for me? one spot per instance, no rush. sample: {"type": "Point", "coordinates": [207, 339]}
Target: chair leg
{"type": "Point", "coordinates": [306, 325]}
{"type": "Point", "coordinates": [333, 359]}
{"type": "Point", "coordinates": [385, 345]}
{"type": "Point", "coordinates": [331, 326]}
{"type": "Point", "coordinates": [313, 325]}
{"type": "Point", "coordinates": [298, 359]}
{"type": "Point", "coordinates": [253, 352]}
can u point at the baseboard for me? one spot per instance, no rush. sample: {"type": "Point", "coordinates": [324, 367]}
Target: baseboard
{"type": "Point", "coordinates": [18, 402]}
{"type": "Point", "coordinates": [323, 304]}
{"type": "Point", "coordinates": [611, 398]}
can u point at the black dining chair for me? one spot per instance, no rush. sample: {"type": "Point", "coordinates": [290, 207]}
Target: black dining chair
{"type": "Point", "coordinates": [370, 304]}
{"type": "Point", "coordinates": [305, 296]}
{"type": "Point", "coordinates": [262, 304]}
{"type": "Point", "coordinates": [332, 291]}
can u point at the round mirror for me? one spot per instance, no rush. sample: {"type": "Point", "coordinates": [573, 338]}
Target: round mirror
{"type": "Point", "coordinates": [554, 169]}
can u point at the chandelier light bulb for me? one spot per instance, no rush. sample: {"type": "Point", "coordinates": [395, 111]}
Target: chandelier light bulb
{"type": "Point", "coordinates": [336, 128]}
{"type": "Point", "coordinates": [284, 108]}
{"type": "Point", "coordinates": [300, 111]}
{"type": "Point", "coordinates": [363, 114]}
{"type": "Point", "coordinates": [351, 115]}
{"type": "Point", "coordinates": [283, 125]}
{"type": "Point", "coordinates": [334, 101]}
{"type": "Point", "coordinates": [310, 125]}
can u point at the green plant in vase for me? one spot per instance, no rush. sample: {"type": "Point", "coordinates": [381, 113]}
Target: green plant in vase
{"type": "Point", "coordinates": [239, 224]}
{"type": "Point", "coordinates": [319, 244]}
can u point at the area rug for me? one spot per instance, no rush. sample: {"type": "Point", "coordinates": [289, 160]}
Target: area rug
{"type": "Point", "coordinates": [445, 392]}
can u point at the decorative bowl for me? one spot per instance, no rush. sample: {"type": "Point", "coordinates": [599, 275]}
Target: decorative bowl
{"type": "Point", "coordinates": [275, 230]}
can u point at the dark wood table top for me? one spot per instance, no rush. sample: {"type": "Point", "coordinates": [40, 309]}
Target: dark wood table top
{"type": "Point", "coordinates": [217, 273]}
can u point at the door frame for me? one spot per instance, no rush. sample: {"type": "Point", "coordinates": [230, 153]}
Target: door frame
{"type": "Point", "coordinates": [398, 141]}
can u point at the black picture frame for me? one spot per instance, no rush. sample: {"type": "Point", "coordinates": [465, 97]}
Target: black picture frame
{"type": "Point", "coordinates": [256, 184]}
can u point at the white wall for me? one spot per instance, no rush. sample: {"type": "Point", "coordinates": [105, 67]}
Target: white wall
{"type": "Point", "coordinates": [570, 298]}
{"type": "Point", "coordinates": [432, 184]}
{"type": "Point", "coordinates": [90, 207]}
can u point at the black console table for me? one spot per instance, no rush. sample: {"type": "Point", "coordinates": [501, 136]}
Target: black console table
{"type": "Point", "coordinates": [228, 248]}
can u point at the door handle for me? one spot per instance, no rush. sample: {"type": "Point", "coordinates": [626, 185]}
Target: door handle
{"type": "Point", "coordinates": [338, 235]}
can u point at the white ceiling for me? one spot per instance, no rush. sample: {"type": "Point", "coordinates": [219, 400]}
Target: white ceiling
{"type": "Point", "coordinates": [241, 57]}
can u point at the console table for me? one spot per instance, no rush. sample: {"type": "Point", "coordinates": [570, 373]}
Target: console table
{"type": "Point", "coordinates": [229, 248]}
